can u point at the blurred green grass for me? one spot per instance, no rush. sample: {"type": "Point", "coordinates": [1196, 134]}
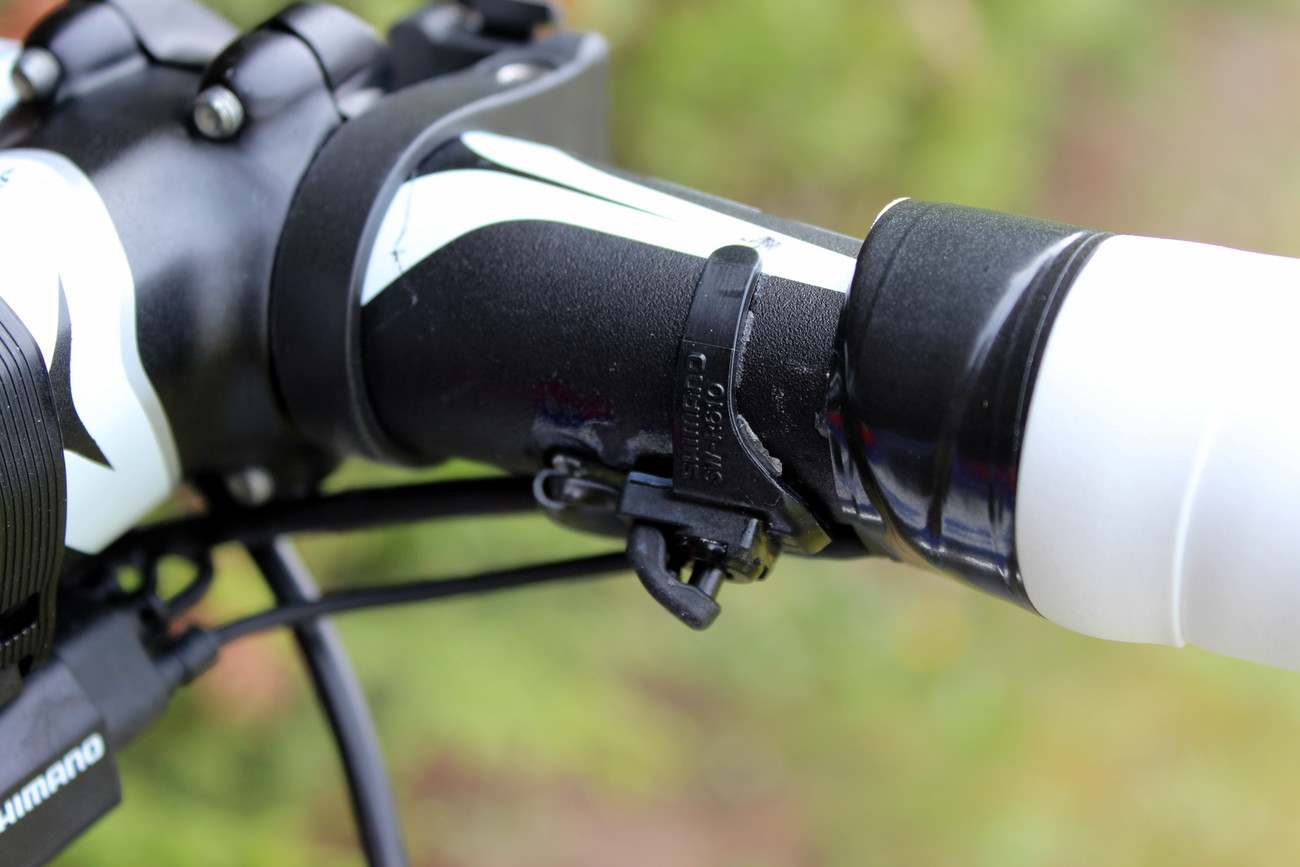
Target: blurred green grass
{"type": "Point", "coordinates": [841, 713]}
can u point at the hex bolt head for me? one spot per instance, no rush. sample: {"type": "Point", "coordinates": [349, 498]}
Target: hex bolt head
{"type": "Point", "coordinates": [513, 74]}
{"type": "Point", "coordinates": [218, 113]}
{"type": "Point", "coordinates": [252, 486]}
{"type": "Point", "coordinates": [36, 74]}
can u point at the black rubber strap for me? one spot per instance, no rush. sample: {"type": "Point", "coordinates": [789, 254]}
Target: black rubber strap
{"type": "Point", "coordinates": [716, 456]}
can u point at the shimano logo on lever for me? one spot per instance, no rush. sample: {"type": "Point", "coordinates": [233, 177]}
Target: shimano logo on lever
{"type": "Point", "coordinates": [45, 785]}
{"type": "Point", "coordinates": [704, 404]}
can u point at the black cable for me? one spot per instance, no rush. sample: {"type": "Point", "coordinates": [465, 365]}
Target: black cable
{"type": "Point", "coordinates": [418, 591]}
{"type": "Point", "coordinates": [349, 510]}
{"type": "Point", "coordinates": [193, 594]}
{"type": "Point", "coordinates": [346, 708]}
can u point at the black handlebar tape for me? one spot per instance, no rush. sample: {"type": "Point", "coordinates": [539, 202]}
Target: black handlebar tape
{"type": "Point", "coordinates": [941, 339]}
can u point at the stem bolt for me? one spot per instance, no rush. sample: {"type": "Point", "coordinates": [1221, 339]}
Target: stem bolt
{"type": "Point", "coordinates": [36, 74]}
{"type": "Point", "coordinates": [218, 113]}
{"type": "Point", "coordinates": [252, 486]}
{"type": "Point", "coordinates": [513, 74]}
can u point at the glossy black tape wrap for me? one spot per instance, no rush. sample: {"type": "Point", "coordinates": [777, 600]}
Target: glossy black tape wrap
{"type": "Point", "coordinates": [940, 343]}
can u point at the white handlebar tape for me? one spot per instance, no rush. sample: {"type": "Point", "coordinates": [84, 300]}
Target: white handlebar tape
{"type": "Point", "coordinates": [1159, 482]}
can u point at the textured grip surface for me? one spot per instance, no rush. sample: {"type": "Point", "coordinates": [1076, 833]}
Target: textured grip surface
{"type": "Point", "coordinates": [32, 496]}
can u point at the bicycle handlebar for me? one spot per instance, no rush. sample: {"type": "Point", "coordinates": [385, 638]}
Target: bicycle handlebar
{"type": "Point", "coordinates": [332, 265]}
{"type": "Point", "coordinates": [545, 315]}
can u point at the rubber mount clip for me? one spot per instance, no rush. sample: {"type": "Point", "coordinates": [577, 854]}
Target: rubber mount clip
{"type": "Point", "coordinates": [693, 603]}
{"type": "Point", "coordinates": [725, 513]}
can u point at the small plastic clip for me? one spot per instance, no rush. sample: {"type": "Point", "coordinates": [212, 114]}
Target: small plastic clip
{"type": "Point", "coordinates": [692, 602]}
{"type": "Point", "coordinates": [725, 514]}
{"type": "Point", "coordinates": [726, 508]}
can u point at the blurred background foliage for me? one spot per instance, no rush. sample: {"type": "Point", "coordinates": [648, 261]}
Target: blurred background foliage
{"type": "Point", "coordinates": [841, 714]}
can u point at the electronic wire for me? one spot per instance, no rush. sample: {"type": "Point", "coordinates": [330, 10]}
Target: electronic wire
{"type": "Point", "coordinates": [419, 591]}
